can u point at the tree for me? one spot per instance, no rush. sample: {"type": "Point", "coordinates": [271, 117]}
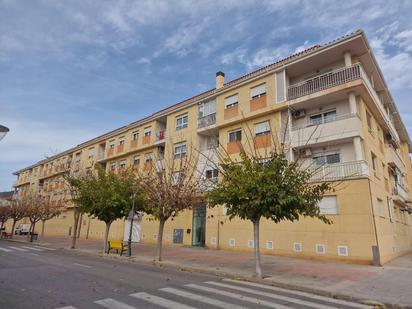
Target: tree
{"type": "Point", "coordinates": [4, 213]}
{"type": "Point", "coordinates": [18, 209]}
{"type": "Point", "coordinates": [265, 184]}
{"type": "Point", "coordinates": [170, 186]}
{"type": "Point", "coordinates": [50, 209]}
{"type": "Point", "coordinates": [106, 195]}
{"type": "Point", "coordinates": [33, 206]}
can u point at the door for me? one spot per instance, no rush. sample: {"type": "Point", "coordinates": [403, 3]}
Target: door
{"type": "Point", "coordinates": [199, 225]}
{"type": "Point", "coordinates": [136, 231]}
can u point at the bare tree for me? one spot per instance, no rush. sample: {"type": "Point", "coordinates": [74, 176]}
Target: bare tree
{"type": "Point", "coordinates": [50, 209]}
{"type": "Point", "coordinates": [170, 185]}
{"type": "Point", "coordinates": [18, 210]}
{"type": "Point", "coordinates": [5, 213]}
{"type": "Point", "coordinates": [34, 205]}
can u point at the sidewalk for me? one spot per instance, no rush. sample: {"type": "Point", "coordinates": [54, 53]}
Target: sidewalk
{"type": "Point", "coordinates": [391, 284]}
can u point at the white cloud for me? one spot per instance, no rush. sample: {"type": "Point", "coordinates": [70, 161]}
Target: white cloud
{"type": "Point", "coordinates": [267, 56]}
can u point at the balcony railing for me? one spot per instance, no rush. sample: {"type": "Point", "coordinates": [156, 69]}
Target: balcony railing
{"type": "Point", "coordinates": [324, 81]}
{"type": "Point", "coordinates": [337, 118]}
{"type": "Point", "coordinates": [206, 121]}
{"type": "Point", "coordinates": [340, 171]}
{"type": "Point", "coordinates": [398, 189]}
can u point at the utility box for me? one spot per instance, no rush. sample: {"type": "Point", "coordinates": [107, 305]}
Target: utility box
{"type": "Point", "coordinates": [178, 236]}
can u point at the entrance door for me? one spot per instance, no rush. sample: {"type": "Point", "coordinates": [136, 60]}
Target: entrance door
{"type": "Point", "coordinates": [199, 225]}
{"type": "Point", "coordinates": [135, 231]}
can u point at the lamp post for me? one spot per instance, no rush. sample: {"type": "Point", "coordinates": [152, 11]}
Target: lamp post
{"type": "Point", "coordinates": [3, 131]}
{"type": "Point", "coordinates": [131, 217]}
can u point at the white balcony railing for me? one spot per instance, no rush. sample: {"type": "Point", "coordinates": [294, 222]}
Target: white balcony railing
{"type": "Point", "coordinates": [340, 171]}
{"type": "Point", "coordinates": [206, 121]}
{"type": "Point", "coordinates": [393, 157]}
{"type": "Point", "coordinates": [398, 189]}
{"type": "Point", "coordinates": [324, 81]}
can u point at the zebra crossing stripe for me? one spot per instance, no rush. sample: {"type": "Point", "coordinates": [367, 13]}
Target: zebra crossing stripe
{"type": "Point", "coordinates": [238, 296]}
{"type": "Point", "coordinates": [113, 304]}
{"type": "Point", "coordinates": [67, 307]}
{"type": "Point", "coordinates": [31, 248]}
{"type": "Point", "coordinates": [202, 299]}
{"type": "Point", "coordinates": [162, 302]}
{"type": "Point", "coordinates": [17, 248]}
{"type": "Point", "coordinates": [271, 295]}
{"type": "Point", "coordinates": [304, 294]}
{"type": "Point", "coordinates": [45, 248]}
{"type": "Point", "coordinates": [4, 249]}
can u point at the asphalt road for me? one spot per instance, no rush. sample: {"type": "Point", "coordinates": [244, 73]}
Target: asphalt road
{"type": "Point", "coordinates": [34, 277]}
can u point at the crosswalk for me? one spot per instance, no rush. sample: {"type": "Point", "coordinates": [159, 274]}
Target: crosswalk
{"type": "Point", "coordinates": [227, 294]}
{"type": "Point", "coordinates": [16, 248]}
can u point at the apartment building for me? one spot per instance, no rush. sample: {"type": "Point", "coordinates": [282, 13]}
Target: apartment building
{"type": "Point", "coordinates": [337, 113]}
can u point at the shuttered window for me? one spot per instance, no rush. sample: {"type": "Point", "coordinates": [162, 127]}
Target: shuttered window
{"type": "Point", "coordinates": [262, 128]}
{"type": "Point", "coordinates": [258, 91]}
{"type": "Point", "coordinates": [328, 205]}
{"type": "Point", "coordinates": [232, 101]}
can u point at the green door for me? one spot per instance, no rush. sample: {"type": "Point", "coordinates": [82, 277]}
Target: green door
{"type": "Point", "coordinates": [199, 225]}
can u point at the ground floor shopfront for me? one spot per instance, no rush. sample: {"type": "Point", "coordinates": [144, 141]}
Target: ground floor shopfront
{"type": "Point", "coordinates": [361, 232]}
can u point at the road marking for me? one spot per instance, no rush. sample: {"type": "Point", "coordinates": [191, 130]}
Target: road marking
{"type": "Point", "coordinates": [67, 307]}
{"type": "Point", "coordinates": [4, 249]}
{"type": "Point", "coordinates": [35, 254]}
{"type": "Point", "coordinates": [82, 265]}
{"type": "Point", "coordinates": [31, 248]}
{"type": "Point", "coordinates": [238, 296]}
{"type": "Point", "coordinates": [202, 299]}
{"type": "Point", "coordinates": [46, 248]}
{"type": "Point", "coordinates": [271, 295]}
{"type": "Point", "coordinates": [318, 297]}
{"type": "Point", "coordinates": [113, 304]}
{"type": "Point", "coordinates": [162, 302]}
{"type": "Point", "coordinates": [17, 248]}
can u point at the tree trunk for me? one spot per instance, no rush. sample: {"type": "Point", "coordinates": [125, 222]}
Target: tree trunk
{"type": "Point", "coordinates": [106, 236]}
{"type": "Point", "coordinates": [160, 238]}
{"type": "Point", "coordinates": [76, 221]}
{"type": "Point", "coordinates": [32, 232]}
{"type": "Point", "coordinates": [43, 222]}
{"type": "Point", "coordinates": [2, 224]}
{"type": "Point", "coordinates": [13, 227]}
{"type": "Point", "coordinates": [257, 250]}
{"type": "Point", "coordinates": [79, 226]}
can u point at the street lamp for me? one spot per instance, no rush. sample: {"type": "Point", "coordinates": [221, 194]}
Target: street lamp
{"type": "Point", "coordinates": [3, 131]}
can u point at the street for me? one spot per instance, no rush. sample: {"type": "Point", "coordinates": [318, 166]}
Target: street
{"type": "Point", "coordinates": [34, 276]}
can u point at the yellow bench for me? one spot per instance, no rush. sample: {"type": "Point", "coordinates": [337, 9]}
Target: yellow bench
{"type": "Point", "coordinates": [117, 245]}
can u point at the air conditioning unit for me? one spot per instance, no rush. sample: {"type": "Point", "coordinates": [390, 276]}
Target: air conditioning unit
{"type": "Point", "coordinates": [299, 114]}
{"type": "Point", "coordinates": [307, 152]}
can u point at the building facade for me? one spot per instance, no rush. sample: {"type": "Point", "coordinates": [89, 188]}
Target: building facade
{"type": "Point", "coordinates": [337, 113]}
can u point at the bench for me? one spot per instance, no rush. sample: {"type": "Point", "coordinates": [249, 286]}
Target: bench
{"type": "Point", "coordinates": [5, 235]}
{"type": "Point", "coordinates": [117, 245]}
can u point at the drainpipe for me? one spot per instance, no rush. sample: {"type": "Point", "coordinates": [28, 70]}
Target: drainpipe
{"type": "Point", "coordinates": [375, 249]}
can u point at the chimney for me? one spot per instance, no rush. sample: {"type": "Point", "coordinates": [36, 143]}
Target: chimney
{"type": "Point", "coordinates": [220, 79]}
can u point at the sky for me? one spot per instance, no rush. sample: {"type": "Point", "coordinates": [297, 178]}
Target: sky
{"type": "Point", "coordinates": [72, 70]}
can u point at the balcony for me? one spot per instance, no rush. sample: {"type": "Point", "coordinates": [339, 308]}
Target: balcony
{"type": "Point", "coordinates": [206, 121]}
{"type": "Point", "coordinates": [339, 77]}
{"type": "Point", "coordinates": [340, 171]}
{"type": "Point", "coordinates": [393, 158]}
{"type": "Point", "coordinates": [160, 137]}
{"type": "Point", "coordinates": [341, 127]}
{"type": "Point", "coordinates": [400, 193]}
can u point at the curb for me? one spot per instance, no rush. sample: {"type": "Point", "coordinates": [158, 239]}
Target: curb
{"type": "Point", "coordinates": [219, 273]}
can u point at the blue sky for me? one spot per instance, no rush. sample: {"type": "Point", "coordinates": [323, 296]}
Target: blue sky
{"type": "Point", "coordinates": [71, 70]}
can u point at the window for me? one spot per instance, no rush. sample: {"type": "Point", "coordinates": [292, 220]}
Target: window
{"type": "Point", "coordinates": [262, 128]}
{"type": "Point", "coordinates": [232, 101]}
{"type": "Point", "coordinates": [235, 136]}
{"type": "Point", "coordinates": [181, 122]}
{"type": "Point", "coordinates": [328, 205]}
{"type": "Point", "coordinates": [122, 164]}
{"type": "Point", "coordinates": [180, 150]}
{"type": "Point", "coordinates": [177, 178]}
{"type": "Point", "coordinates": [113, 166]}
{"type": "Point", "coordinates": [136, 160]}
{"type": "Point", "coordinates": [212, 174]}
{"type": "Point", "coordinates": [135, 136]}
{"type": "Point", "coordinates": [91, 153]}
{"type": "Point", "coordinates": [390, 209]}
{"type": "Point", "coordinates": [121, 140]}
{"type": "Point", "coordinates": [374, 162]}
{"type": "Point", "coordinates": [369, 121]}
{"type": "Point", "coordinates": [207, 108]}
{"type": "Point", "coordinates": [149, 157]}
{"type": "Point", "coordinates": [111, 145]}
{"type": "Point", "coordinates": [323, 159]}
{"type": "Point", "coordinates": [258, 91]}
{"type": "Point", "coordinates": [147, 131]}
{"type": "Point", "coordinates": [323, 117]}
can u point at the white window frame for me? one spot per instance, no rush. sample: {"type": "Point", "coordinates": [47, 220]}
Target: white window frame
{"type": "Point", "coordinates": [135, 135]}
{"type": "Point", "coordinates": [232, 101]}
{"type": "Point", "coordinates": [262, 128]}
{"type": "Point", "coordinates": [121, 140]}
{"type": "Point", "coordinates": [148, 157]}
{"type": "Point", "coordinates": [122, 164]}
{"type": "Point", "coordinates": [113, 166]}
{"type": "Point", "coordinates": [136, 159]}
{"type": "Point", "coordinates": [111, 144]}
{"type": "Point", "coordinates": [179, 150]}
{"type": "Point", "coordinates": [258, 91]}
{"type": "Point", "coordinates": [234, 132]}
{"type": "Point", "coordinates": [90, 154]}
{"type": "Point", "coordinates": [323, 117]}
{"type": "Point", "coordinates": [207, 108]}
{"type": "Point", "coordinates": [184, 118]}
{"type": "Point", "coordinates": [324, 205]}
{"type": "Point", "coordinates": [213, 172]}
{"type": "Point", "coordinates": [325, 156]}
{"type": "Point", "coordinates": [147, 131]}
